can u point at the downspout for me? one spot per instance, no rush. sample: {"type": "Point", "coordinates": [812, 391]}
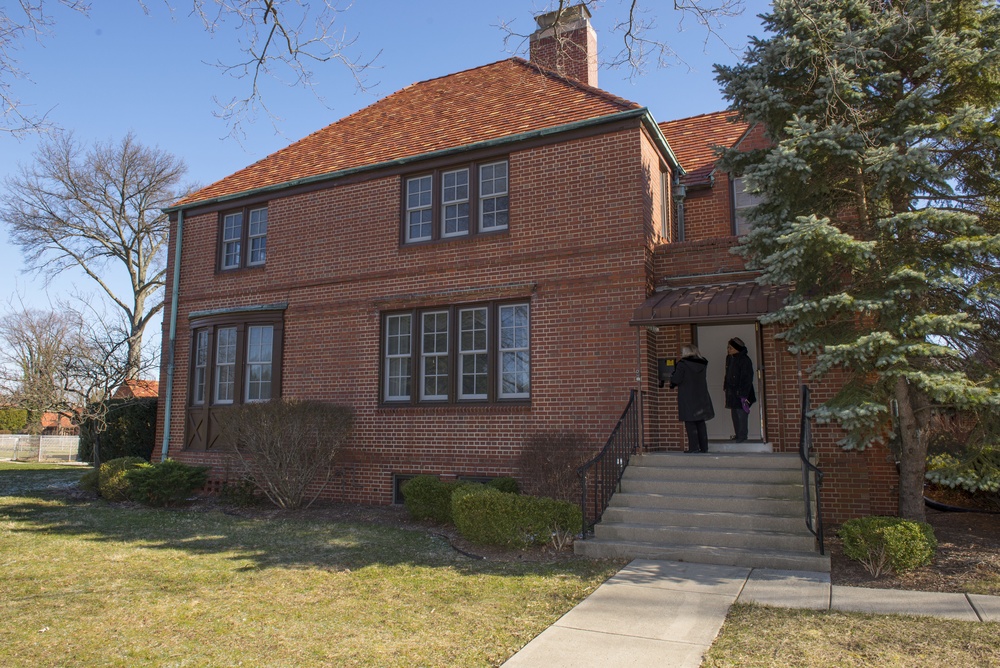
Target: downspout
{"type": "Point", "coordinates": [174, 292]}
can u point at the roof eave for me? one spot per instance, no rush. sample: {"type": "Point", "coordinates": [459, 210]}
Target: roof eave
{"type": "Point", "coordinates": [642, 113]}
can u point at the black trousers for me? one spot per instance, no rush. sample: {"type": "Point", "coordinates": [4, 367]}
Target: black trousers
{"type": "Point", "coordinates": [740, 423]}
{"type": "Point", "coordinates": [697, 436]}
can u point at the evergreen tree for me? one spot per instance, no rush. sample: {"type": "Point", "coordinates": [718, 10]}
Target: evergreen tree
{"type": "Point", "coordinates": [878, 204]}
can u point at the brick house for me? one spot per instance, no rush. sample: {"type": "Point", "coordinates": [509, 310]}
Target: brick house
{"type": "Point", "coordinates": [465, 272]}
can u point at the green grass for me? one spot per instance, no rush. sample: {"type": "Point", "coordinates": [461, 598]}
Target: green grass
{"type": "Point", "coordinates": [88, 583]}
{"type": "Point", "coordinates": [759, 636]}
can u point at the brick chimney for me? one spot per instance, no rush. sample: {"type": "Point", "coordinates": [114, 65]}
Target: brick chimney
{"type": "Point", "coordinates": [569, 48]}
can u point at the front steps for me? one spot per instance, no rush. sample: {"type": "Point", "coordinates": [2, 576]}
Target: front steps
{"type": "Point", "coordinates": [733, 509]}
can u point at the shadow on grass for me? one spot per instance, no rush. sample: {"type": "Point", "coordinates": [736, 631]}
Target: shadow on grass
{"type": "Point", "coordinates": [249, 542]}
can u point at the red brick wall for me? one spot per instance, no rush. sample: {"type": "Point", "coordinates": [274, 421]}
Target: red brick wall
{"type": "Point", "coordinates": [576, 249]}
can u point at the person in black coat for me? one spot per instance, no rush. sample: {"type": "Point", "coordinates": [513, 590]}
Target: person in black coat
{"type": "Point", "coordinates": [738, 387]}
{"type": "Point", "coordinates": [694, 405]}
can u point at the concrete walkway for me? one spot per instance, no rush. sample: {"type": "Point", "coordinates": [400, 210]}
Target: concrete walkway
{"type": "Point", "coordinates": [667, 613]}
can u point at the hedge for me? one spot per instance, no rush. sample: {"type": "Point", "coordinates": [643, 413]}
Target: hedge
{"type": "Point", "coordinates": [130, 432]}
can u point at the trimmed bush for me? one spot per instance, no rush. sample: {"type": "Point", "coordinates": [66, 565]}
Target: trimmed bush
{"type": "Point", "coordinates": [426, 497]}
{"type": "Point", "coordinates": [505, 484]}
{"type": "Point", "coordinates": [130, 431]}
{"type": "Point", "coordinates": [888, 543]}
{"type": "Point", "coordinates": [491, 517]}
{"type": "Point", "coordinates": [549, 461]}
{"type": "Point", "coordinates": [89, 481]}
{"type": "Point", "coordinates": [242, 493]}
{"type": "Point", "coordinates": [13, 420]}
{"type": "Point", "coordinates": [165, 483]}
{"type": "Point", "coordinates": [112, 481]}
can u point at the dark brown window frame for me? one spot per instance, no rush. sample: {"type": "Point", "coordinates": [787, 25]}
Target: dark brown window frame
{"type": "Point", "coordinates": [244, 241]}
{"type": "Point", "coordinates": [493, 353]}
{"type": "Point", "coordinates": [201, 432]}
{"type": "Point", "coordinates": [437, 223]}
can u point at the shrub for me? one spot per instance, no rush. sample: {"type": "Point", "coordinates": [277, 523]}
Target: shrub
{"type": "Point", "coordinates": [504, 484]}
{"type": "Point", "coordinates": [491, 517]}
{"type": "Point", "coordinates": [112, 481]}
{"type": "Point", "coordinates": [888, 543]}
{"type": "Point", "coordinates": [426, 497]}
{"type": "Point", "coordinates": [165, 483]}
{"type": "Point", "coordinates": [13, 420]}
{"type": "Point", "coordinates": [976, 470]}
{"type": "Point", "coordinates": [130, 431]}
{"type": "Point", "coordinates": [242, 494]}
{"type": "Point", "coordinates": [89, 481]}
{"type": "Point", "coordinates": [549, 461]}
{"type": "Point", "coordinates": [287, 447]}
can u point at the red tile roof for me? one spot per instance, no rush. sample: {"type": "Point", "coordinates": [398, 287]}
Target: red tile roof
{"type": "Point", "coordinates": [137, 389]}
{"type": "Point", "coordinates": [693, 139]}
{"type": "Point", "coordinates": [486, 103]}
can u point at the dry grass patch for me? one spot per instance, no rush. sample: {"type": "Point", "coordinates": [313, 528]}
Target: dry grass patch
{"type": "Point", "coordinates": [761, 636]}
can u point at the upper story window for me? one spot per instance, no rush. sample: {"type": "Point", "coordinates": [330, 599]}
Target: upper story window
{"type": "Point", "coordinates": [244, 239]}
{"type": "Point", "coordinates": [475, 353]}
{"type": "Point", "coordinates": [458, 202]}
{"type": "Point", "coordinates": [743, 201]}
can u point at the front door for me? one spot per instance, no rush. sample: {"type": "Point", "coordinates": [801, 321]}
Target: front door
{"type": "Point", "coordinates": [712, 340]}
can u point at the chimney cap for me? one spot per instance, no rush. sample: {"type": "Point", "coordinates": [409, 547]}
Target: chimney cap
{"type": "Point", "coordinates": [566, 16]}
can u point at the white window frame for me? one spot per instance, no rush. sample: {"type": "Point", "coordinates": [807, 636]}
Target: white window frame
{"type": "Point", "coordinates": [495, 195]}
{"type": "Point", "coordinates": [399, 361]}
{"type": "Point", "coordinates": [423, 205]}
{"type": "Point", "coordinates": [469, 355]}
{"type": "Point", "coordinates": [232, 244]}
{"type": "Point", "coordinates": [514, 351]}
{"type": "Point", "coordinates": [257, 236]}
{"type": "Point", "coordinates": [228, 362]}
{"type": "Point", "coordinates": [452, 199]}
{"type": "Point", "coordinates": [200, 367]}
{"type": "Point", "coordinates": [432, 354]}
{"type": "Point", "coordinates": [260, 356]}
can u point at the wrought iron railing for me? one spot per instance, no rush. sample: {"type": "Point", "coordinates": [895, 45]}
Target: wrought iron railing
{"type": "Point", "coordinates": [811, 475]}
{"type": "Point", "coordinates": [601, 477]}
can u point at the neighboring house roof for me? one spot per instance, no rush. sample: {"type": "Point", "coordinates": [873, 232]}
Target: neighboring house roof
{"type": "Point", "coordinates": [56, 421]}
{"type": "Point", "coordinates": [488, 103]}
{"type": "Point", "coordinates": [137, 389]}
{"type": "Point", "coordinates": [694, 140]}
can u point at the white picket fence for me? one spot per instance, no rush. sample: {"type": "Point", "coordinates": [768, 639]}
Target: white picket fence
{"type": "Point", "coordinates": [26, 448]}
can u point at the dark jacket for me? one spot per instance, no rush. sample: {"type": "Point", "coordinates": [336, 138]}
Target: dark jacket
{"type": "Point", "coordinates": [739, 379]}
{"type": "Point", "coordinates": [690, 378]}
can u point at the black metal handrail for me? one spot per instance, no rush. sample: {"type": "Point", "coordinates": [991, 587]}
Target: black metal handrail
{"type": "Point", "coordinates": [810, 473]}
{"type": "Point", "coordinates": [609, 466]}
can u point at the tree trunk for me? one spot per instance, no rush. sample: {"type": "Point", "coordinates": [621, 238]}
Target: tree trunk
{"type": "Point", "coordinates": [914, 417]}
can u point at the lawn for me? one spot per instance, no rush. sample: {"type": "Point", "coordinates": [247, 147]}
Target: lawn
{"type": "Point", "coordinates": [89, 583]}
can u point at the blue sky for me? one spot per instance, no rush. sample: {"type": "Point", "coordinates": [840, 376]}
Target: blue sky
{"type": "Point", "coordinates": [121, 69]}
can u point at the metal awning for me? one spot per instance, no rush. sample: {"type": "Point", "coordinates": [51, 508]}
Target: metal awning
{"type": "Point", "coordinates": [716, 302]}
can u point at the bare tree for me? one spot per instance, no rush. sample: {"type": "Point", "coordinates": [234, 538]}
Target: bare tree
{"type": "Point", "coordinates": [94, 208]}
{"type": "Point", "coordinates": [277, 38]}
{"type": "Point", "coordinates": [36, 347]}
{"type": "Point", "coordinates": [640, 45]}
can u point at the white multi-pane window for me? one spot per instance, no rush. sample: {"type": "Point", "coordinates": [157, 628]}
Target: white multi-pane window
{"type": "Point", "coordinates": [455, 203]}
{"type": "Point", "coordinates": [434, 355]}
{"type": "Point", "coordinates": [232, 237]}
{"type": "Point", "coordinates": [259, 358]}
{"type": "Point", "coordinates": [515, 354]}
{"type": "Point", "coordinates": [493, 203]}
{"type": "Point", "coordinates": [419, 208]}
{"type": "Point", "coordinates": [200, 367]}
{"type": "Point", "coordinates": [225, 365]}
{"type": "Point", "coordinates": [258, 237]}
{"type": "Point", "coordinates": [398, 329]}
{"type": "Point", "coordinates": [473, 357]}
{"type": "Point", "coordinates": [743, 201]}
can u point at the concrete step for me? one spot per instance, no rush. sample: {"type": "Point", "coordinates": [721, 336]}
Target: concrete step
{"type": "Point", "coordinates": [709, 489]}
{"type": "Point", "coordinates": [705, 554]}
{"type": "Point", "coordinates": [691, 535]}
{"type": "Point", "coordinates": [743, 520]}
{"type": "Point", "coordinates": [788, 507]}
{"type": "Point", "coordinates": [743, 460]}
{"type": "Point", "coordinates": [714, 474]}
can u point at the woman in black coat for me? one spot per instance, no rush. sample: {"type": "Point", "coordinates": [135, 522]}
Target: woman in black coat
{"type": "Point", "coordinates": [694, 405]}
{"type": "Point", "coordinates": [738, 386]}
